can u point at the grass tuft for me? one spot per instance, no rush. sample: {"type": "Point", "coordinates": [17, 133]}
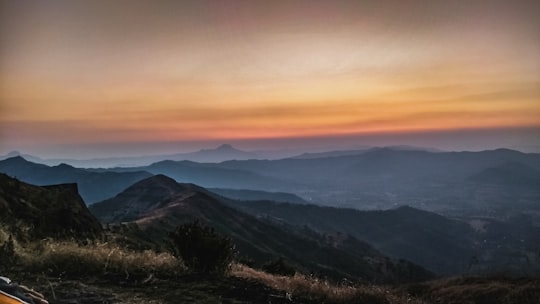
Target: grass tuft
{"type": "Point", "coordinates": [69, 259]}
{"type": "Point", "coordinates": [324, 291]}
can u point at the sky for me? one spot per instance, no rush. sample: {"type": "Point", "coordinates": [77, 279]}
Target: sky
{"type": "Point", "coordinates": [104, 78]}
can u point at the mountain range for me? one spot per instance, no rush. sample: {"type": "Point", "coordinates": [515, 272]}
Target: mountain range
{"type": "Point", "coordinates": [443, 245]}
{"type": "Point", "coordinates": [157, 204]}
{"type": "Point", "coordinates": [446, 246]}
{"type": "Point", "coordinates": [452, 183]}
{"type": "Point", "coordinates": [499, 183]}
{"type": "Point", "coordinates": [93, 186]}
{"type": "Point", "coordinates": [493, 194]}
{"type": "Point", "coordinates": [221, 153]}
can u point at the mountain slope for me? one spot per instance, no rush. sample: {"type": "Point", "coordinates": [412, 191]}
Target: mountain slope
{"type": "Point", "coordinates": [376, 179]}
{"type": "Point", "coordinates": [93, 186]}
{"type": "Point", "coordinates": [219, 154]}
{"type": "Point", "coordinates": [158, 204]}
{"type": "Point", "coordinates": [254, 195]}
{"type": "Point", "coordinates": [513, 174]}
{"type": "Point", "coordinates": [213, 176]}
{"type": "Point", "coordinates": [443, 245]}
{"type": "Point", "coordinates": [32, 211]}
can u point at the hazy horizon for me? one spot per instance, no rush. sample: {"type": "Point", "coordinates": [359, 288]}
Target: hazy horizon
{"type": "Point", "coordinates": [95, 79]}
{"type": "Point", "coordinates": [464, 140]}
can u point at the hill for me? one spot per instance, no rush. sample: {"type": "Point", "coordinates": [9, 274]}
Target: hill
{"type": "Point", "coordinates": [500, 183]}
{"type": "Point", "coordinates": [213, 176]}
{"type": "Point", "coordinates": [157, 204]}
{"type": "Point", "coordinates": [93, 186]}
{"type": "Point", "coordinates": [76, 270]}
{"type": "Point", "coordinates": [29, 211]}
{"type": "Point", "coordinates": [383, 178]}
{"type": "Point", "coordinates": [510, 174]}
{"type": "Point", "coordinates": [442, 245]}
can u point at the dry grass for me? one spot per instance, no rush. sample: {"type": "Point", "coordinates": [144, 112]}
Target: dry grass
{"type": "Point", "coordinates": [323, 290]}
{"type": "Point", "coordinates": [3, 235]}
{"type": "Point", "coordinates": [113, 262]}
{"type": "Point", "coordinates": [72, 259]}
{"type": "Point", "coordinates": [493, 290]}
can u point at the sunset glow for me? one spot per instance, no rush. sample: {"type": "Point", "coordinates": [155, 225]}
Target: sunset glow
{"type": "Point", "coordinates": [93, 72]}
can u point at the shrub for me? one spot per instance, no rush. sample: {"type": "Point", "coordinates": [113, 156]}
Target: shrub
{"type": "Point", "coordinates": [202, 249]}
{"type": "Point", "coordinates": [321, 291]}
{"type": "Point", "coordinates": [7, 254]}
{"type": "Point", "coordinates": [279, 267]}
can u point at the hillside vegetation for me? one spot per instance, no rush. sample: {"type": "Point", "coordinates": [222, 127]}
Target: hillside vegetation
{"type": "Point", "coordinates": [154, 206]}
{"type": "Point", "coordinates": [72, 259]}
{"type": "Point", "coordinates": [67, 272]}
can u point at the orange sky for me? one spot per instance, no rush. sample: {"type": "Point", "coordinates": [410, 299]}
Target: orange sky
{"type": "Point", "coordinates": [160, 71]}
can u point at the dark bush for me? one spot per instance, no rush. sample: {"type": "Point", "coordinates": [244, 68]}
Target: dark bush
{"type": "Point", "coordinates": [7, 254]}
{"type": "Point", "coordinates": [279, 267]}
{"type": "Point", "coordinates": [201, 248]}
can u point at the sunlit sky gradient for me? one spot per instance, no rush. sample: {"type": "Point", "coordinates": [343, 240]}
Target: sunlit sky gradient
{"type": "Point", "coordinates": [136, 74]}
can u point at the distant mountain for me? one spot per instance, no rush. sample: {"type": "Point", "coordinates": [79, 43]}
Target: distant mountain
{"type": "Point", "coordinates": [29, 211]}
{"type": "Point", "coordinates": [443, 245]}
{"type": "Point", "coordinates": [338, 153]}
{"type": "Point", "coordinates": [380, 178]}
{"type": "Point", "coordinates": [386, 178]}
{"type": "Point", "coordinates": [28, 157]}
{"type": "Point", "coordinates": [213, 176]}
{"type": "Point", "coordinates": [158, 204]}
{"type": "Point", "coordinates": [93, 186]}
{"type": "Point", "coordinates": [450, 183]}
{"type": "Point", "coordinates": [509, 174]}
{"type": "Point", "coordinates": [312, 155]}
{"type": "Point", "coordinates": [219, 154]}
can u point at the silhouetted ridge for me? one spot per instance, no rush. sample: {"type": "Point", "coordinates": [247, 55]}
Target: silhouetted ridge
{"type": "Point", "coordinates": [162, 185]}
{"type": "Point", "coordinates": [144, 197]}
{"type": "Point", "coordinates": [156, 181]}
{"type": "Point", "coordinates": [73, 187]}
{"type": "Point", "coordinates": [158, 204]}
{"type": "Point", "coordinates": [16, 159]}
{"type": "Point", "coordinates": [13, 154]}
{"type": "Point", "coordinates": [505, 151]}
{"type": "Point", "coordinates": [64, 166]}
{"type": "Point", "coordinates": [93, 186]}
{"type": "Point", "coordinates": [29, 211]}
{"type": "Point", "coordinates": [225, 147]}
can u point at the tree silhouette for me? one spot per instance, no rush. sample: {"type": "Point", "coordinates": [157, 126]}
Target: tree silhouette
{"type": "Point", "coordinates": [201, 248]}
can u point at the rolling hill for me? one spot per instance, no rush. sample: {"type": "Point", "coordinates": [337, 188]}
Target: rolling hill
{"type": "Point", "coordinates": [451, 183]}
{"type": "Point", "coordinates": [442, 245]}
{"type": "Point", "coordinates": [213, 176]}
{"type": "Point", "coordinates": [93, 186]}
{"type": "Point", "coordinates": [157, 204]}
{"type": "Point", "coordinates": [499, 183]}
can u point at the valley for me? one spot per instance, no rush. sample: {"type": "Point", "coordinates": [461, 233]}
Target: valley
{"type": "Point", "coordinates": [407, 221]}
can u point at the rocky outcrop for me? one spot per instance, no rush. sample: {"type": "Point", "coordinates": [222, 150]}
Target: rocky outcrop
{"type": "Point", "coordinates": [58, 211]}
